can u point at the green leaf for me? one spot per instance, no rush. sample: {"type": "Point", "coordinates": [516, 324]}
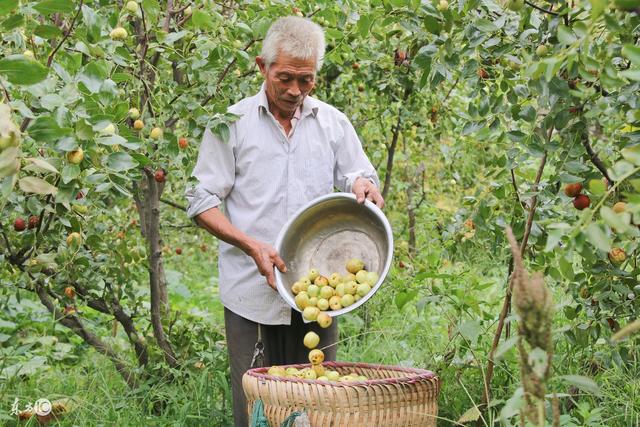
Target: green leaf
{"type": "Point", "coordinates": [221, 130]}
{"type": "Point", "coordinates": [9, 162]}
{"type": "Point", "coordinates": [117, 140]}
{"type": "Point", "coordinates": [14, 21]}
{"type": "Point", "coordinates": [583, 383]}
{"type": "Point", "coordinates": [7, 6]}
{"type": "Point", "coordinates": [48, 7]}
{"type": "Point", "coordinates": [21, 70]}
{"type": "Point", "coordinates": [403, 297]}
{"type": "Point", "coordinates": [45, 128]}
{"type": "Point", "coordinates": [470, 329]}
{"type": "Point", "coordinates": [69, 173]}
{"type": "Point", "coordinates": [472, 414]}
{"type": "Point", "coordinates": [32, 184]}
{"type": "Point", "coordinates": [39, 165]}
{"type": "Point", "coordinates": [486, 26]}
{"type": "Point", "coordinates": [505, 346]}
{"type": "Point", "coordinates": [431, 24]}
{"type": "Point", "coordinates": [364, 24]}
{"type": "Point", "coordinates": [597, 187]}
{"type": "Point", "coordinates": [121, 162]}
{"type": "Point", "coordinates": [597, 7]}
{"type": "Point", "coordinates": [201, 19]}
{"type": "Point", "coordinates": [631, 75]}
{"type": "Point", "coordinates": [597, 237]}
{"type": "Point", "coordinates": [47, 31]}
{"type": "Point", "coordinates": [566, 35]}
{"type": "Point", "coordinates": [615, 220]}
{"type": "Point", "coordinates": [632, 52]}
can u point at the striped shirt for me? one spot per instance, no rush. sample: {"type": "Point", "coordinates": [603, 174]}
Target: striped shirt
{"type": "Point", "coordinates": [262, 177]}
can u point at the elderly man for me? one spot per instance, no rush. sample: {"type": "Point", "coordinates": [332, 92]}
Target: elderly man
{"type": "Point", "coordinates": [286, 149]}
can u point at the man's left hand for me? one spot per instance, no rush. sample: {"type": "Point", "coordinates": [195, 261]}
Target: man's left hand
{"type": "Point", "coordinates": [363, 188]}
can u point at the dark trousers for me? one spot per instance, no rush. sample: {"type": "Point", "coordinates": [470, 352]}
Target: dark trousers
{"type": "Point", "coordinates": [282, 346]}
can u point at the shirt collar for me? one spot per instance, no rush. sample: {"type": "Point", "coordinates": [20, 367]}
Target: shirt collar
{"type": "Point", "coordinates": [309, 105]}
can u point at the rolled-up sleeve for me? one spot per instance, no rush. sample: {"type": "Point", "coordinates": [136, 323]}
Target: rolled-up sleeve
{"type": "Point", "coordinates": [351, 160]}
{"type": "Point", "coordinates": [214, 174]}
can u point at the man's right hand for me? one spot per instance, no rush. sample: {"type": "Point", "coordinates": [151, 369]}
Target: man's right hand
{"type": "Point", "coordinates": [266, 257]}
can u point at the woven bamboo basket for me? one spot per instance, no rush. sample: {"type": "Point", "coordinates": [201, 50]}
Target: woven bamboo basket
{"type": "Point", "coordinates": [393, 396]}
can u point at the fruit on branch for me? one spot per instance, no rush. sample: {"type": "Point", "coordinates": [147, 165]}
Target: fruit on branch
{"type": "Point", "coordinates": [74, 239]}
{"type": "Point", "coordinates": [34, 221]}
{"type": "Point", "coordinates": [69, 311]}
{"type": "Point", "coordinates": [188, 11]}
{"type": "Point", "coordinates": [19, 224]}
{"type": "Point", "coordinates": [619, 207]}
{"type": "Point", "coordinates": [118, 33]}
{"type": "Point", "coordinates": [572, 190]}
{"type": "Point", "coordinates": [297, 11]}
{"type": "Point", "coordinates": [400, 57]}
{"type": "Point", "coordinates": [134, 113]}
{"type": "Point", "coordinates": [581, 202]}
{"type": "Point", "coordinates": [156, 133]}
{"type": "Point", "coordinates": [360, 88]}
{"type": "Point", "coordinates": [80, 195]}
{"type": "Point", "coordinates": [70, 292]}
{"type": "Point", "coordinates": [80, 209]}
{"type": "Point", "coordinates": [178, 251]}
{"type": "Point", "coordinates": [355, 66]}
{"type": "Point", "coordinates": [75, 157]}
{"type": "Point", "coordinates": [28, 54]}
{"type": "Point", "coordinates": [159, 175]}
{"type": "Point", "coordinates": [617, 256]}
{"type": "Point", "coordinates": [132, 7]}
{"type": "Point", "coordinates": [183, 143]}
{"type": "Point", "coordinates": [482, 73]}
{"type": "Point", "coordinates": [311, 340]}
{"type": "Point", "coordinates": [443, 5]}
{"type": "Point", "coordinates": [138, 124]}
{"type": "Point", "coordinates": [542, 50]}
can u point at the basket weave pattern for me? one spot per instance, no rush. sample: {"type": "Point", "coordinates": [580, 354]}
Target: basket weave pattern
{"type": "Point", "coordinates": [393, 396]}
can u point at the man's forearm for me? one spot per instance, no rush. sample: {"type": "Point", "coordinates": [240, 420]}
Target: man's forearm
{"type": "Point", "coordinates": [216, 223]}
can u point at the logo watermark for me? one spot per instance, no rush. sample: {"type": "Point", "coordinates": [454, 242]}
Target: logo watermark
{"type": "Point", "coordinates": [41, 407]}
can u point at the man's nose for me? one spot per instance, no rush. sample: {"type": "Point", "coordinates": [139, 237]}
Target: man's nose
{"type": "Point", "coordinates": [294, 89]}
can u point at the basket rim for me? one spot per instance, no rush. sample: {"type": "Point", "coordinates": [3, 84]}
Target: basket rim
{"type": "Point", "coordinates": [418, 374]}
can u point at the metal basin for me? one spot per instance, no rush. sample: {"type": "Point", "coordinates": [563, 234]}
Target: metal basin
{"type": "Point", "coordinates": [325, 234]}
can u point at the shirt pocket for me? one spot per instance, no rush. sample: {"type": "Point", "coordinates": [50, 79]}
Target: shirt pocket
{"type": "Point", "coordinates": [318, 160]}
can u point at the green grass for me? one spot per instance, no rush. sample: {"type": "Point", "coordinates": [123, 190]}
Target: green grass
{"type": "Point", "coordinates": [438, 330]}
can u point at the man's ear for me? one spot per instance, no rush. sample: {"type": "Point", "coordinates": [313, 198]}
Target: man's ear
{"type": "Point", "coordinates": [262, 65]}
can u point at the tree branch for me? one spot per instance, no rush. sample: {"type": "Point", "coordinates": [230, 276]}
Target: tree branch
{"type": "Point", "coordinates": [66, 35]}
{"type": "Point", "coordinates": [507, 299]}
{"type": "Point", "coordinates": [73, 323]}
{"type": "Point", "coordinates": [593, 156]}
{"type": "Point", "coordinates": [156, 272]}
{"type": "Point", "coordinates": [174, 204]}
{"type": "Point", "coordinates": [550, 12]}
{"type": "Point", "coordinates": [394, 141]}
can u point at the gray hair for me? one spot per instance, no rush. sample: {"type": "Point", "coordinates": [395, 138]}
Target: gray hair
{"type": "Point", "coordinates": [298, 37]}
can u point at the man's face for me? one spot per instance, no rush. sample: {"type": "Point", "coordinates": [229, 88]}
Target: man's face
{"type": "Point", "coordinates": [288, 80]}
